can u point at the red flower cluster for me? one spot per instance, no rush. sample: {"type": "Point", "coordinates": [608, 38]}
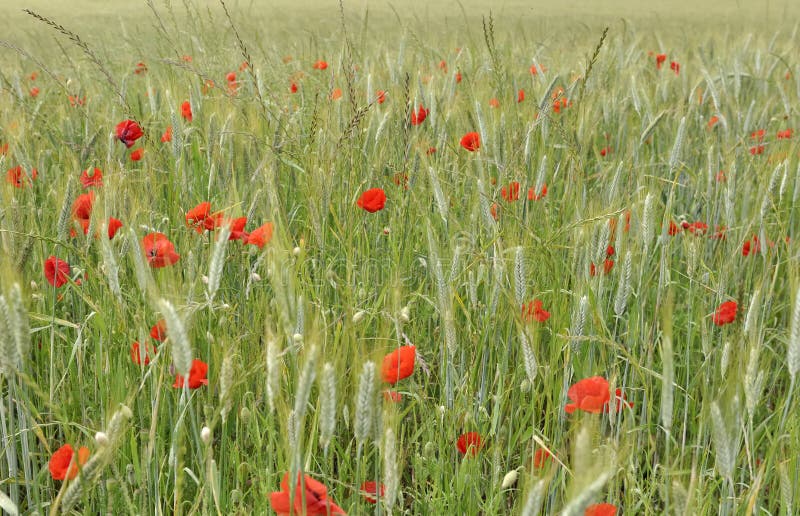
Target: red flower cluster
{"type": "Point", "coordinates": [592, 395]}
{"type": "Point", "coordinates": [420, 116]}
{"type": "Point", "coordinates": [534, 311]}
{"type": "Point", "coordinates": [310, 498]}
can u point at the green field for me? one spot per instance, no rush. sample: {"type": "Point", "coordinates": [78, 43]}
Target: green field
{"type": "Point", "coordinates": [597, 263]}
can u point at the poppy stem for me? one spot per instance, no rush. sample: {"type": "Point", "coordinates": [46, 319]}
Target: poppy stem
{"type": "Point", "coordinates": [788, 403]}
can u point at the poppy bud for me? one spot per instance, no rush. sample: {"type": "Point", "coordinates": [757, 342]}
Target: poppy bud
{"type": "Point", "coordinates": [405, 314]}
{"type": "Point", "coordinates": [205, 435]}
{"type": "Point", "coordinates": [297, 338]}
{"type": "Point", "coordinates": [101, 438]}
{"type": "Point", "coordinates": [510, 479]}
{"type": "Point", "coordinates": [358, 316]}
{"type": "Point", "coordinates": [525, 386]}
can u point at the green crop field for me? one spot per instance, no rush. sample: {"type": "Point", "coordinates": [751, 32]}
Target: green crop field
{"type": "Point", "coordinates": [435, 258]}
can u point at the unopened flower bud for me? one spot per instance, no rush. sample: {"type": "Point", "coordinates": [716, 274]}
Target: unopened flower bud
{"type": "Point", "coordinates": [205, 436]}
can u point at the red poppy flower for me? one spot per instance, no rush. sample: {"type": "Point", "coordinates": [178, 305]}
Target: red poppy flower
{"type": "Point", "coordinates": [534, 70]}
{"type": "Point", "coordinates": [601, 509]}
{"type": "Point", "coordinates": [197, 375]}
{"type": "Point", "coordinates": [494, 210]}
{"type": "Point", "coordinates": [533, 311]}
{"type": "Point", "coordinates": [34, 92]}
{"type": "Point", "coordinates": [167, 136]}
{"type": "Point", "coordinates": [511, 192]}
{"type": "Point", "coordinates": [420, 116]}
{"type": "Point", "coordinates": [159, 330]}
{"type": "Point", "coordinates": [608, 264]}
{"type": "Point", "coordinates": [186, 58]}
{"type": "Point", "coordinates": [431, 151]}
{"type": "Point", "coordinates": [675, 67]}
{"type": "Point", "coordinates": [753, 246]}
{"type": "Point", "coordinates": [96, 179]}
{"type": "Point", "coordinates": [469, 444]}
{"type": "Point", "coordinates": [380, 96]}
{"type": "Point", "coordinates": [261, 235]}
{"type": "Point", "coordinates": [82, 206]}
{"type": "Point", "coordinates": [660, 59]}
{"type": "Point", "coordinates": [293, 88]}
{"type": "Point", "coordinates": [398, 364]}
{"type": "Point", "coordinates": [64, 465]}
{"type": "Point", "coordinates": [712, 121]}
{"type": "Point", "coordinates": [310, 499]}
{"type": "Point", "coordinates": [75, 100]}
{"type": "Point", "coordinates": [237, 228]}
{"type": "Point", "coordinates": [725, 313]}
{"type": "Point", "coordinates": [520, 96]}
{"type": "Point", "coordinates": [57, 272]}
{"type": "Point", "coordinates": [604, 151]}
{"type": "Point", "coordinates": [137, 352]}
{"type": "Point", "coordinates": [494, 103]}
{"type": "Point", "coordinates": [137, 154]}
{"type": "Point", "coordinates": [471, 141]}
{"type": "Point", "coordinates": [372, 200]}
{"type": "Point", "coordinates": [696, 228]}
{"type": "Point", "coordinates": [186, 110]}
{"type": "Point", "coordinates": [532, 196]}
{"type": "Point", "coordinates": [458, 77]}
{"type": "Point", "coordinates": [140, 68]}
{"type": "Point", "coordinates": [230, 77]}
{"type": "Point", "coordinates": [196, 217]}
{"type": "Point", "coordinates": [756, 150]}
{"type": "Point", "coordinates": [243, 66]}
{"type": "Point", "coordinates": [785, 135]}
{"type": "Point", "coordinates": [371, 491]}
{"type": "Point", "coordinates": [541, 458]}
{"type": "Point", "coordinates": [320, 65]}
{"type": "Point", "coordinates": [336, 94]}
{"type": "Point", "coordinates": [113, 227]}
{"type": "Point", "coordinates": [758, 135]}
{"type": "Point", "coordinates": [159, 251]}
{"type": "Point", "coordinates": [589, 395]}
{"type": "Point", "coordinates": [3, 149]}
{"type": "Point", "coordinates": [17, 176]}
{"type": "Point", "coordinates": [33, 76]}
{"type": "Point", "coordinates": [128, 131]}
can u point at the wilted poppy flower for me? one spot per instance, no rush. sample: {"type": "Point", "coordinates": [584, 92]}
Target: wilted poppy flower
{"type": "Point", "coordinates": [57, 271]}
{"type": "Point", "coordinates": [494, 103]}
{"type": "Point", "coordinates": [336, 94]}
{"type": "Point", "coordinates": [469, 444]}
{"type": "Point", "coordinates": [725, 313]}
{"type": "Point", "coordinates": [380, 96]}
{"type": "Point", "coordinates": [158, 250]}
{"type": "Point", "coordinates": [494, 209]}
{"type": "Point", "coordinates": [471, 141]}
{"type": "Point", "coordinates": [159, 330]}
{"type": "Point", "coordinates": [785, 135]}
{"type": "Point", "coordinates": [320, 65]}
{"type": "Point", "coordinates": [167, 136]}
{"type": "Point", "coordinates": [601, 509]}
{"type": "Point", "coordinates": [541, 458]}
{"type": "Point", "coordinates": [197, 375]}
{"type": "Point", "coordinates": [420, 116]}
{"type": "Point", "coordinates": [511, 192]}
{"type": "Point", "coordinates": [261, 235]}
{"type": "Point", "coordinates": [140, 68]}
{"type": "Point", "coordinates": [533, 311]}
{"type": "Point", "coordinates": [696, 228]}
{"type": "Point", "coordinates": [520, 96]}
{"type": "Point", "coordinates": [137, 155]}
{"type": "Point", "coordinates": [590, 395]}
{"type": "Point", "coordinates": [293, 88]}
{"type": "Point", "coordinates": [372, 200]}
{"type": "Point", "coordinates": [64, 465]}
{"type": "Point", "coordinates": [17, 176]}
{"type": "Point", "coordinates": [431, 151]}
{"type": "Point", "coordinates": [244, 66]}
{"type": "Point", "coordinates": [138, 351]}
{"type": "Point", "coordinates": [400, 179]}
{"type": "Point", "coordinates": [310, 499]}
{"type": "Point", "coordinates": [186, 58]}
{"type": "Point", "coordinates": [128, 131]}
{"type": "Point", "coordinates": [660, 59]}
{"type": "Point", "coordinates": [371, 491]}
{"type": "Point", "coordinates": [398, 364]}
{"type": "Point", "coordinates": [720, 177]}
{"type": "Point", "coordinates": [533, 196]}
{"type": "Point", "coordinates": [33, 76]}
{"type": "Point", "coordinates": [186, 110]}
{"type": "Point", "coordinates": [95, 179]}
{"type": "Point", "coordinates": [675, 67]}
